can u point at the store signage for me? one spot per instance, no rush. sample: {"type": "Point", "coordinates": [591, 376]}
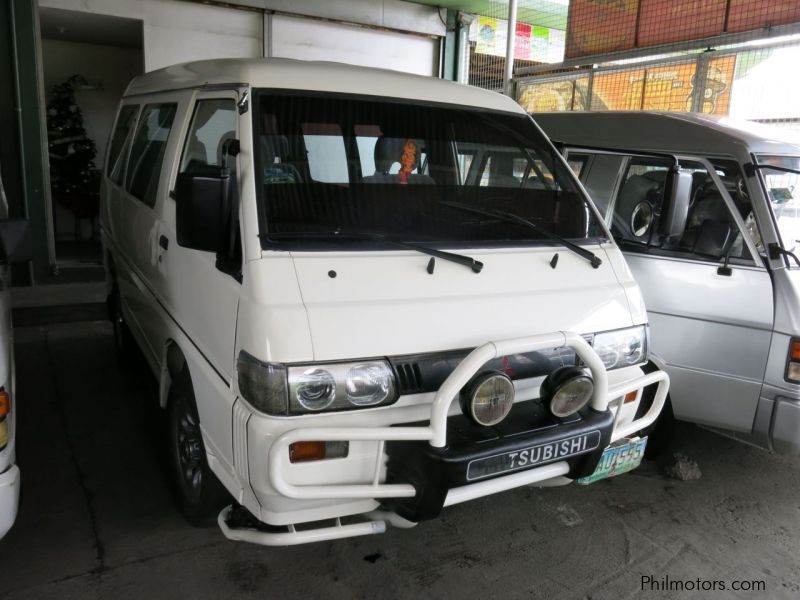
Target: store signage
{"type": "Point", "coordinates": [531, 42]}
{"type": "Point", "coordinates": [602, 26]}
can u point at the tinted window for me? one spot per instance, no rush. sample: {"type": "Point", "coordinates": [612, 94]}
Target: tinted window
{"type": "Point", "coordinates": [599, 176]}
{"type": "Point", "coordinates": [147, 152]}
{"type": "Point", "coordinates": [355, 165]}
{"type": "Point", "coordinates": [213, 124]}
{"type": "Point", "coordinates": [120, 140]}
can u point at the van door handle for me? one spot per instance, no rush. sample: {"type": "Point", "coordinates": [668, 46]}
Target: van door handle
{"type": "Point", "coordinates": [163, 242]}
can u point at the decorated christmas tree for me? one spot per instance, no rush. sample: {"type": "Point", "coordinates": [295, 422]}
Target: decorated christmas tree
{"type": "Point", "coordinates": [71, 151]}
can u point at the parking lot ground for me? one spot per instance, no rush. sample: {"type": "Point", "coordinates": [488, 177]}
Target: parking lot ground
{"type": "Point", "coordinates": [97, 519]}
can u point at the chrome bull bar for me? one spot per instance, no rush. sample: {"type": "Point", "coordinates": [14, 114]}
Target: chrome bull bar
{"type": "Point", "coordinates": [436, 432]}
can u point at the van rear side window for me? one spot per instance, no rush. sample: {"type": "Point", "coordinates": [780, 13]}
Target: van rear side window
{"type": "Point", "coordinates": [147, 153]}
{"type": "Point", "coordinates": [120, 141]}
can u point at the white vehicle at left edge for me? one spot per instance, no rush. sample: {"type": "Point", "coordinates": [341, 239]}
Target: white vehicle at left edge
{"type": "Point", "coordinates": [14, 247]}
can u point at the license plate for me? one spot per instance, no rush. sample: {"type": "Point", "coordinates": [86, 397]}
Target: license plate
{"type": "Point", "coordinates": [533, 456]}
{"type": "Point", "coordinates": [617, 460]}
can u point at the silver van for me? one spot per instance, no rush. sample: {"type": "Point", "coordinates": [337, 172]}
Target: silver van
{"type": "Point", "coordinates": [714, 259]}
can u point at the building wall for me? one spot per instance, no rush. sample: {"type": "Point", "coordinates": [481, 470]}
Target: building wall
{"type": "Point", "coordinates": [310, 39]}
{"type": "Point", "coordinates": [177, 31]}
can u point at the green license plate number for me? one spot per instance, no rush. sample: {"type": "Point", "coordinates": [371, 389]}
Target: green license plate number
{"type": "Point", "coordinates": [617, 460]}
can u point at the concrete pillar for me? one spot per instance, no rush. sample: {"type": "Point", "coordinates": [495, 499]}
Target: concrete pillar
{"type": "Point", "coordinates": [22, 144]}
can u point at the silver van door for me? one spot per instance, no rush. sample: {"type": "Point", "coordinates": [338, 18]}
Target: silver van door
{"type": "Point", "coordinates": [708, 295]}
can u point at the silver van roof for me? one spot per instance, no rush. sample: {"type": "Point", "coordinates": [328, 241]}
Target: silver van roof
{"type": "Point", "coordinates": [665, 131]}
{"type": "Point", "coordinates": [283, 73]}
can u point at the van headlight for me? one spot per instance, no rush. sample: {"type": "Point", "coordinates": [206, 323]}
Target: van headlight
{"type": "Point", "coordinates": [278, 389]}
{"type": "Point", "coordinates": [622, 347]}
{"type": "Point", "coordinates": [313, 389]}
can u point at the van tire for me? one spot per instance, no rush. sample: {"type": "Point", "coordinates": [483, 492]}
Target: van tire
{"type": "Point", "coordinates": [199, 493]}
{"type": "Point", "coordinates": [123, 339]}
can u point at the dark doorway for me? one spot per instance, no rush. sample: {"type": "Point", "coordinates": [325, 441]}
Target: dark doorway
{"type": "Point", "coordinates": [87, 61]}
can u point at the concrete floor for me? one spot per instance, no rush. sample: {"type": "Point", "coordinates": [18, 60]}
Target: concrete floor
{"type": "Point", "coordinates": [97, 519]}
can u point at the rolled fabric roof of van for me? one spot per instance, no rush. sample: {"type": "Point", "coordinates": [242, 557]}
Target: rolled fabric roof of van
{"type": "Point", "coordinates": [284, 73]}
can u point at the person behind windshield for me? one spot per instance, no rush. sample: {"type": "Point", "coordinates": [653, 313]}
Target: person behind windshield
{"type": "Point", "coordinates": [390, 151]}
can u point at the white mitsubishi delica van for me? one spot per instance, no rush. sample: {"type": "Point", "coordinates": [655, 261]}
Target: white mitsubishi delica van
{"type": "Point", "coordinates": [366, 296]}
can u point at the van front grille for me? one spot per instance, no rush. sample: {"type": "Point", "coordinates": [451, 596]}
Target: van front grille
{"type": "Point", "coordinates": [409, 378]}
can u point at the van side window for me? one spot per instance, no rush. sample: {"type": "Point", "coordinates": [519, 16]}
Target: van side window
{"type": "Point", "coordinates": [734, 181]}
{"type": "Point", "coordinates": [147, 152]}
{"type": "Point", "coordinates": [600, 174]}
{"type": "Point", "coordinates": [120, 141]}
{"type": "Point", "coordinates": [213, 124]}
{"type": "Point", "coordinates": [710, 233]}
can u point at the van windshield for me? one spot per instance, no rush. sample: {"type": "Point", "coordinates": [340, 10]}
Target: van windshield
{"type": "Point", "coordinates": [783, 191]}
{"type": "Point", "coordinates": [333, 165]}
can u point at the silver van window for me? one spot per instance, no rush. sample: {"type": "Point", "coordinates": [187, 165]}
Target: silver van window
{"type": "Point", "coordinates": [600, 177]}
{"type": "Point", "coordinates": [710, 234]}
{"type": "Point", "coordinates": [783, 191]}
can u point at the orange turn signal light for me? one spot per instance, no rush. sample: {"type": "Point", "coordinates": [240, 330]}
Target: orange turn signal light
{"type": "Point", "coordinates": [5, 404]}
{"type": "Point", "coordinates": [630, 397]}
{"type": "Point", "coordinates": [306, 451]}
{"type": "Point", "coordinates": [794, 350]}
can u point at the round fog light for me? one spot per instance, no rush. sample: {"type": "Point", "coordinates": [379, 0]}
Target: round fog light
{"type": "Point", "coordinates": [567, 390]}
{"type": "Point", "coordinates": [488, 399]}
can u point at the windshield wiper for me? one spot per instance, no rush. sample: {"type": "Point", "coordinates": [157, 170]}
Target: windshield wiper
{"type": "Point", "coordinates": [593, 259]}
{"type": "Point", "coordinates": [460, 259]}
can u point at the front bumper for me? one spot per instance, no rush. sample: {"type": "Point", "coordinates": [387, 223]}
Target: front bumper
{"type": "Point", "coordinates": [9, 498]}
{"type": "Point", "coordinates": [441, 475]}
{"type": "Point", "coordinates": [428, 442]}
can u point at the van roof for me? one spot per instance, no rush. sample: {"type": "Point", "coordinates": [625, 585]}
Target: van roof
{"type": "Point", "coordinates": [689, 133]}
{"type": "Point", "coordinates": [283, 73]}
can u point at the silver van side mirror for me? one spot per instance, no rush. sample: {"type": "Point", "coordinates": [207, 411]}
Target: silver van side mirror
{"type": "Point", "coordinates": [675, 210]}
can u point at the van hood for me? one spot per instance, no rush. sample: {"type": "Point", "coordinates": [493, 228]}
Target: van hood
{"type": "Point", "coordinates": [364, 304]}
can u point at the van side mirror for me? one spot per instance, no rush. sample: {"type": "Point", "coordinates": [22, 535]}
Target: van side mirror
{"type": "Point", "coordinates": [202, 210]}
{"type": "Point", "coordinates": [675, 209]}
{"type": "Point", "coordinates": [15, 241]}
